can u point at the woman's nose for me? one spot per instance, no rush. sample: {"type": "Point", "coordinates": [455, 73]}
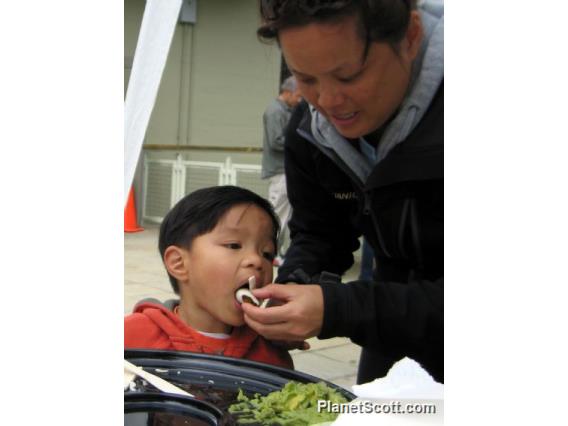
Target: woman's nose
{"type": "Point", "coordinates": [329, 97]}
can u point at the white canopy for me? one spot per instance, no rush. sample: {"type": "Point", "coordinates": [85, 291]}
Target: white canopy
{"type": "Point", "coordinates": [156, 33]}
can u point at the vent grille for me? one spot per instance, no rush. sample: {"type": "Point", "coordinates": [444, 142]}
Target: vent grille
{"type": "Point", "coordinates": [158, 190]}
{"type": "Point", "coordinates": [167, 181]}
{"type": "Point", "coordinates": [197, 177]}
{"type": "Point", "coordinates": [250, 179]}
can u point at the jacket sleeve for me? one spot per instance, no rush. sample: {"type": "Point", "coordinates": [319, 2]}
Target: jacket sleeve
{"type": "Point", "coordinates": [403, 319]}
{"type": "Point", "coordinates": [322, 237]}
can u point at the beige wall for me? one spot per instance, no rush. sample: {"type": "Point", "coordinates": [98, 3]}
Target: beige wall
{"type": "Point", "coordinates": [234, 75]}
{"type": "Point", "coordinates": [218, 78]}
{"type": "Point", "coordinates": [216, 84]}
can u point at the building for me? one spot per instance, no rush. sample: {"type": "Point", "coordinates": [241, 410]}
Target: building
{"type": "Point", "coordinates": [206, 125]}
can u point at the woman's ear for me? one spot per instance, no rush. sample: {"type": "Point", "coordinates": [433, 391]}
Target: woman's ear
{"type": "Point", "coordinates": [414, 34]}
{"type": "Point", "coordinates": [176, 263]}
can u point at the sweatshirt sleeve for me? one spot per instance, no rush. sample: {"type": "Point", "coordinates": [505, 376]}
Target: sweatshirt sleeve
{"type": "Point", "coordinates": [403, 319]}
{"type": "Point", "coordinates": [275, 121]}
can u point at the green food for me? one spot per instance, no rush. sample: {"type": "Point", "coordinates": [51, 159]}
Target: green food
{"type": "Point", "coordinates": [295, 405]}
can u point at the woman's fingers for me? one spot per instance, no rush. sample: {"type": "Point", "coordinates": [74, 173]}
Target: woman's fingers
{"type": "Point", "coordinates": [271, 331]}
{"type": "Point", "coordinates": [275, 291]}
{"type": "Point", "coordinates": [270, 315]}
{"type": "Point", "coordinates": [298, 318]}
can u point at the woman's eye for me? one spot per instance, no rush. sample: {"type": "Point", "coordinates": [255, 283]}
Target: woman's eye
{"type": "Point", "coordinates": [233, 246]}
{"type": "Point", "coordinates": [348, 79]}
{"type": "Point", "coordinates": [307, 81]}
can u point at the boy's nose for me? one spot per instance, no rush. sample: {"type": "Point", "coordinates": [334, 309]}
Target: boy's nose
{"type": "Point", "coordinates": [253, 260]}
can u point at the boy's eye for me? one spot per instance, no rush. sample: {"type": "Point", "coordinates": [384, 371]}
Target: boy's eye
{"type": "Point", "coordinates": [269, 255]}
{"type": "Point", "coordinates": [233, 246]}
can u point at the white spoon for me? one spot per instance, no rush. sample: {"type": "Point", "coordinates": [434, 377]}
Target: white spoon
{"type": "Point", "coordinates": [131, 370]}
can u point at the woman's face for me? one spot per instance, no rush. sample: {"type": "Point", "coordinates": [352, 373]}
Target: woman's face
{"type": "Point", "coordinates": [357, 94]}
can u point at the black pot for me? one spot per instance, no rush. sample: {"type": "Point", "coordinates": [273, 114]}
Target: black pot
{"type": "Point", "coordinates": [148, 408]}
{"type": "Point", "coordinates": [214, 380]}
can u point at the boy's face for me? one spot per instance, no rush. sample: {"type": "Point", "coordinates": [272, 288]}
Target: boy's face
{"type": "Point", "coordinates": [220, 262]}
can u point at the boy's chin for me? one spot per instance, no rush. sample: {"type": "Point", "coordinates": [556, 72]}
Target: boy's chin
{"type": "Point", "coordinates": [239, 323]}
{"type": "Point", "coordinates": [236, 321]}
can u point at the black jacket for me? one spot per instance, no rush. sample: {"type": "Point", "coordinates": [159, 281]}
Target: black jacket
{"type": "Point", "coordinates": [399, 210]}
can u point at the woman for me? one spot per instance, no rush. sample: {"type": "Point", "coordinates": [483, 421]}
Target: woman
{"type": "Point", "coordinates": [365, 158]}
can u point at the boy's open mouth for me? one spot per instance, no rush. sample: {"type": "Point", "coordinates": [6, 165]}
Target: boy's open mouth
{"type": "Point", "coordinates": [245, 286]}
{"type": "Point", "coordinates": [244, 294]}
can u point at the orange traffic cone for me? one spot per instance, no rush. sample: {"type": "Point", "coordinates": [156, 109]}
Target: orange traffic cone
{"type": "Point", "coordinates": [130, 223]}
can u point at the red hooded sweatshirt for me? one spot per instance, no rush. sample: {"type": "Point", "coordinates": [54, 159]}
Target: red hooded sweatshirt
{"type": "Point", "coordinates": [153, 326]}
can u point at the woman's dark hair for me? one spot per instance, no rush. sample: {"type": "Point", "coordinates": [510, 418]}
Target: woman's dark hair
{"type": "Point", "coordinates": [378, 20]}
{"type": "Point", "coordinates": [199, 212]}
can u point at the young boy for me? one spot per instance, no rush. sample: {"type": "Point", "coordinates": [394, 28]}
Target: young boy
{"type": "Point", "coordinates": [211, 243]}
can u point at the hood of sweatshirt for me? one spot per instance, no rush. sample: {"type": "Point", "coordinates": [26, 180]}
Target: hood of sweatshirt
{"type": "Point", "coordinates": [185, 338]}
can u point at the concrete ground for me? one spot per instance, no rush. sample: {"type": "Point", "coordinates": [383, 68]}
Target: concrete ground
{"type": "Point", "coordinates": [144, 276]}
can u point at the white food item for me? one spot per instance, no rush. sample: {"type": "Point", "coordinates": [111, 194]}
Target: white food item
{"type": "Point", "coordinates": [252, 283]}
{"type": "Point", "coordinates": [243, 292]}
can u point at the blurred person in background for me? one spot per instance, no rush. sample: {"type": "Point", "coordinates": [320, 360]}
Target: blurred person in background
{"type": "Point", "coordinates": [274, 121]}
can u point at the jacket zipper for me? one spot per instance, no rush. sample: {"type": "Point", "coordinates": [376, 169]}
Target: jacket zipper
{"type": "Point", "coordinates": [416, 234]}
{"type": "Point", "coordinates": [367, 211]}
{"type": "Point", "coordinates": [366, 196]}
{"type": "Point", "coordinates": [402, 227]}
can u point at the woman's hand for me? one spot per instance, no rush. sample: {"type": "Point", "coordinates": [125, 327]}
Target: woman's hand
{"type": "Point", "coordinates": [299, 315]}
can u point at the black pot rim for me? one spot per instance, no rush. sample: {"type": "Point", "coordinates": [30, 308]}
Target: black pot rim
{"type": "Point", "coordinates": [217, 364]}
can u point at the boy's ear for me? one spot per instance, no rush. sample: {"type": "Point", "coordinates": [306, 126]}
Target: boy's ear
{"type": "Point", "coordinates": [175, 262]}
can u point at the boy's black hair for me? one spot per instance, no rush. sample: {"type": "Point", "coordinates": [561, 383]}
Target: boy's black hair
{"type": "Point", "coordinates": [199, 212]}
